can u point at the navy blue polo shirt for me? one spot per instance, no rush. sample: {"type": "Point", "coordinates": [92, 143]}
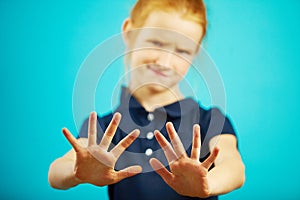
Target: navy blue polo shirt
{"type": "Point", "coordinates": [183, 114]}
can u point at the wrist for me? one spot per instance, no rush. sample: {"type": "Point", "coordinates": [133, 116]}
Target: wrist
{"type": "Point", "coordinates": [76, 180]}
{"type": "Point", "coordinates": [211, 185]}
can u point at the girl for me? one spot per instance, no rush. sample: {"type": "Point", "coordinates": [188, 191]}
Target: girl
{"type": "Point", "coordinates": [162, 157]}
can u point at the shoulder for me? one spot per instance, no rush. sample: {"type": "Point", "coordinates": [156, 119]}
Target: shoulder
{"type": "Point", "coordinates": [215, 120]}
{"type": "Point", "coordinates": [102, 118]}
{"type": "Point", "coordinates": [207, 113]}
{"type": "Point", "coordinates": [103, 122]}
{"type": "Point", "coordinates": [106, 118]}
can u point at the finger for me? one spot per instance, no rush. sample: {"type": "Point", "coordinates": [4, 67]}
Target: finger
{"type": "Point", "coordinates": [195, 154]}
{"type": "Point", "coordinates": [72, 140]}
{"type": "Point", "coordinates": [124, 143]}
{"type": "Point", "coordinates": [211, 158]}
{"type": "Point", "coordinates": [166, 146]}
{"type": "Point", "coordinates": [175, 140]}
{"type": "Point", "coordinates": [92, 129]}
{"type": "Point", "coordinates": [161, 170]}
{"type": "Point", "coordinates": [128, 172]}
{"type": "Point", "coordinates": [110, 131]}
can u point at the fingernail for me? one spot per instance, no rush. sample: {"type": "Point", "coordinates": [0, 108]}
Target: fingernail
{"type": "Point", "coordinates": [136, 169]}
{"type": "Point", "coordinates": [154, 164]}
{"type": "Point", "coordinates": [135, 133]}
{"type": "Point", "coordinates": [117, 116]}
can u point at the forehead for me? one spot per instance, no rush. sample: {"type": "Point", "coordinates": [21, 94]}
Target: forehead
{"type": "Point", "coordinates": [173, 26]}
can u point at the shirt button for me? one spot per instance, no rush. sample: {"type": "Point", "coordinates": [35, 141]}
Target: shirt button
{"type": "Point", "coordinates": [150, 117]}
{"type": "Point", "coordinates": [149, 135]}
{"type": "Point", "coordinates": [148, 152]}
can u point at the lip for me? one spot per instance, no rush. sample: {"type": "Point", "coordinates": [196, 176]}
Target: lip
{"type": "Point", "coordinates": [157, 72]}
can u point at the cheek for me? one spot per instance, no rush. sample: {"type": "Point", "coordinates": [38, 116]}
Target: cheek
{"type": "Point", "coordinates": [140, 57]}
{"type": "Point", "coordinates": [135, 59]}
{"type": "Point", "coordinates": [182, 67]}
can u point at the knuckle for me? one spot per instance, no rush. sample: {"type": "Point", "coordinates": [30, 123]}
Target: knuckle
{"type": "Point", "coordinates": [108, 133]}
{"type": "Point", "coordinates": [125, 143]}
{"type": "Point", "coordinates": [110, 178]}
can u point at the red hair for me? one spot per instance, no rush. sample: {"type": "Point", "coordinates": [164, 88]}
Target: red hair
{"type": "Point", "coordinates": [193, 10]}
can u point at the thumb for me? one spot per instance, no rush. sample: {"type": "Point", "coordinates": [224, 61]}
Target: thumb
{"type": "Point", "coordinates": [128, 172]}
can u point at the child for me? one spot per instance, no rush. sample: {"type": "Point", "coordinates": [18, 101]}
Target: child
{"type": "Point", "coordinates": [168, 166]}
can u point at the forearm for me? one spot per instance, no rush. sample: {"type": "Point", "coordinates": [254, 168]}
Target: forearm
{"type": "Point", "coordinates": [61, 174]}
{"type": "Point", "coordinates": [226, 176]}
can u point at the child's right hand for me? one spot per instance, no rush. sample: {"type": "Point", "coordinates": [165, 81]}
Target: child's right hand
{"type": "Point", "coordinates": [95, 164]}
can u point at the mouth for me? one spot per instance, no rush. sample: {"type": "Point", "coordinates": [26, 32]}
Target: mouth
{"type": "Point", "coordinates": [156, 71]}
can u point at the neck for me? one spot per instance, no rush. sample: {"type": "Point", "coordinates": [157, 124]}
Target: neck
{"type": "Point", "coordinates": [151, 99]}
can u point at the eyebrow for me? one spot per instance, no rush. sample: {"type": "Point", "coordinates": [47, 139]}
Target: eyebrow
{"type": "Point", "coordinates": [158, 40]}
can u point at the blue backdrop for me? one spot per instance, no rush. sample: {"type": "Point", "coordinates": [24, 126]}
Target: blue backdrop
{"type": "Point", "coordinates": [254, 43]}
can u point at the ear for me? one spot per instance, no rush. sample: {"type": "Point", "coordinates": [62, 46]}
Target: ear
{"type": "Point", "coordinates": [126, 28]}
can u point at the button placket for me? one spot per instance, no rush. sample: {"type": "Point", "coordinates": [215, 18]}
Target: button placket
{"type": "Point", "coordinates": [149, 152]}
{"type": "Point", "coordinates": [150, 135]}
{"type": "Point", "coordinates": [150, 116]}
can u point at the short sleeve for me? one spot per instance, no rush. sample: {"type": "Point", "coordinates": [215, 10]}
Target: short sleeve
{"type": "Point", "coordinates": [213, 122]}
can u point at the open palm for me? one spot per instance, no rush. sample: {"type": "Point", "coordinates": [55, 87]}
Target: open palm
{"type": "Point", "coordinates": [187, 175]}
{"type": "Point", "coordinates": [94, 163]}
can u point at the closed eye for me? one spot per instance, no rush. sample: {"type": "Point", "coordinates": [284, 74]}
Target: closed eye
{"type": "Point", "coordinates": [156, 43]}
{"type": "Point", "coordinates": [182, 51]}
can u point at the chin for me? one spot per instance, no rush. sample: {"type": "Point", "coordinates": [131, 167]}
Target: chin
{"type": "Point", "coordinates": [153, 86]}
{"type": "Point", "coordinates": [158, 88]}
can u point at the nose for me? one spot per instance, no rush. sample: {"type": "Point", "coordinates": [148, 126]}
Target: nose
{"type": "Point", "coordinates": [165, 59]}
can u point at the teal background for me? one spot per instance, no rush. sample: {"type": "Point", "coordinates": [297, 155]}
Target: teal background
{"type": "Point", "coordinates": [254, 43]}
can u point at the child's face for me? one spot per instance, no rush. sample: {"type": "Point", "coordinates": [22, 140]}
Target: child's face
{"type": "Point", "coordinates": [162, 54]}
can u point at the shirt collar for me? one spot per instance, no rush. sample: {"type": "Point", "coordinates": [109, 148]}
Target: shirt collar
{"type": "Point", "coordinates": [176, 109]}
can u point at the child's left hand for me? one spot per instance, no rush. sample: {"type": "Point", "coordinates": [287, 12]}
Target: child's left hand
{"type": "Point", "coordinates": [188, 175]}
